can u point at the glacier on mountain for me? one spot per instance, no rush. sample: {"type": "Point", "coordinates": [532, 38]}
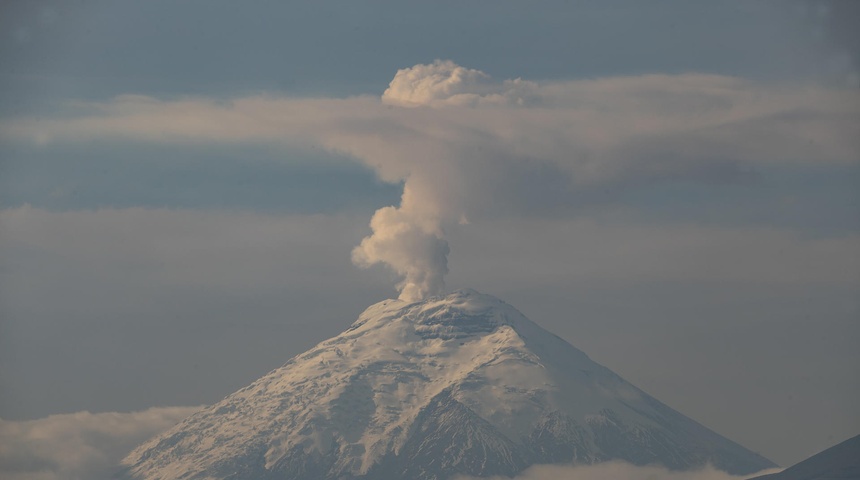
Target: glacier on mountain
{"type": "Point", "coordinates": [455, 384]}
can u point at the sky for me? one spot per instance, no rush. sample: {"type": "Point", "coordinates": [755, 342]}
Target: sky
{"type": "Point", "coordinates": [192, 193]}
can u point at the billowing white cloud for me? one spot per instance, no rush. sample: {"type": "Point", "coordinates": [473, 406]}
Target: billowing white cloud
{"type": "Point", "coordinates": [409, 239]}
{"type": "Point", "coordinates": [615, 471]}
{"type": "Point", "coordinates": [78, 446]}
{"type": "Point", "coordinates": [446, 83]}
{"type": "Point", "coordinates": [478, 148]}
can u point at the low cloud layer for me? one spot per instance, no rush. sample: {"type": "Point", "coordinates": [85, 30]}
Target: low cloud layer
{"type": "Point", "coordinates": [83, 445]}
{"type": "Point", "coordinates": [468, 147]}
{"type": "Point", "coordinates": [615, 471]}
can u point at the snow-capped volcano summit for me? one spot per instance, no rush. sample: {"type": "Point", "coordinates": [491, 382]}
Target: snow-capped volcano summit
{"type": "Point", "coordinates": [461, 383]}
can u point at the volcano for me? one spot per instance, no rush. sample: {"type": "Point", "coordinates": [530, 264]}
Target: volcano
{"type": "Point", "coordinates": [455, 384]}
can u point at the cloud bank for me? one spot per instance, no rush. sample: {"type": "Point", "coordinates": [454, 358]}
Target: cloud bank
{"type": "Point", "coordinates": [79, 445]}
{"type": "Point", "coordinates": [615, 471]}
{"type": "Point", "coordinates": [468, 148]}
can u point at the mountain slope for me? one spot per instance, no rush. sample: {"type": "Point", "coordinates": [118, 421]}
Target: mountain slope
{"type": "Point", "coordinates": [839, 462]}
{"type": "Point", "coordinates": [457, 384]}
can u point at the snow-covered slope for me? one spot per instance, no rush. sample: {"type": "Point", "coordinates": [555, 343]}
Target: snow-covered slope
{"type": "Point", "coordinates": [457, 384]}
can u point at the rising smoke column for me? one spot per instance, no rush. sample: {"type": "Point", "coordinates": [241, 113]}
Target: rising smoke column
{"type": "Point", "coordinates": [410, 241]}
{"type": "Point", "coordinates": [410, 238]}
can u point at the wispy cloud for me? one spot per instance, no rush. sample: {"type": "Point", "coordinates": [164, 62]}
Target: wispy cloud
{"type": "Point", "coordinates": [79, 445]}
{"type": "Point", "coordinates": [560, 122]}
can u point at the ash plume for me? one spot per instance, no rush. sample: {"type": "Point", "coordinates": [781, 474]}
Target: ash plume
{"type": "Point", "coordinates": [410, 241]}
{"type": "Point", "coordinates": [410, 238]}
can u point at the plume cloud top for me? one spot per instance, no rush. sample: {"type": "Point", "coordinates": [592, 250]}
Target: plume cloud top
{"type": "Point", "coordinates": [443, 82]}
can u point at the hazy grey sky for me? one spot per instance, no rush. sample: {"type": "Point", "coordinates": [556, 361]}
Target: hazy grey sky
{"type": "Point", "coordinates": [673, 187]}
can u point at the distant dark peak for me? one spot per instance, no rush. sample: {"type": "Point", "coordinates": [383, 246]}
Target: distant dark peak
{"type": "Point", "coordinates": [839, 462]}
